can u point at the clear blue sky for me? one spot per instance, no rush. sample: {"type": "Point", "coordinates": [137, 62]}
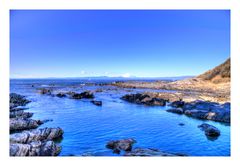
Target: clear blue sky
{"type": "Point", "coordinates": [78, 43]}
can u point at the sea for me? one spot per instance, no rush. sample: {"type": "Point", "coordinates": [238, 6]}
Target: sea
{"type": "Point", "coordinates": [88, 128]}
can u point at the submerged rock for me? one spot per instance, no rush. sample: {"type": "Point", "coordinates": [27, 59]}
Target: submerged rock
{"type": "Point", "coordinates": [44, 134]}
{"type": "Point", "coordinates": [147, 152]}
{"type": "Point", "coordinates": [181, 124]}
{"type": "Point", "coordinates": [144, 99]}
{"type": "Point", "coordinates": [98, 103]}
{"type": "Point", "coordinates": [210, 130]}
{"type": "Point", "coordinates": [23, 124]}
{"type": "Point", "coordinates": [118, 145]}
{"type": "Point", "coordinates": [36, 148]}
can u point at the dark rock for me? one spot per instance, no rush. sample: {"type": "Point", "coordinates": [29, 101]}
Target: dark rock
{"type": "Point", "coordinates": [147, 152]}
{"type": "Point", "coordinates": [36, 148]}
{"type": "Point", "coordinates": [177, 104]}
{"type": "Point", "coordinates": [45, 91]}
{"type": "Point", "coordinates": [17, 109]}
{"type": "Point", "coordinates": [208, 110]}
{"type": "Point", "coordinates": [86, 94]}
{"type": "Point", "coordinates": [44, 134]}
{"type": "Point", "coordinates": [144, 99]}
{"type": "Point", "coordinates": [61, 95]}
{"type": "Point", "coordinates": [118, 145]}
{"type": "Point", "coordinates": [210, 130]}
{"type": "Point", "coordinates": [181, 124]}
{"type": "Point", "coordinates": [98, 103]}
{"type": "Point", "coordinates": [17, 100]}
{"type": "Point", "coordinates": [176, 110]}
{"type": "Point", "coordinates": [20, 114]}
{"type": "Point", "coordinates": [23, 124]}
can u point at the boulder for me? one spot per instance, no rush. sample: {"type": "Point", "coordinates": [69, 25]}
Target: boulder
{"type": "Point", "coordinates": [144, 99]}
{"type": "Point", "coordinates": [86, 94]}
{"type": "Point", "coordinates": [36, 148]}
{"type": "Point", "coordinates": [208, 110]}
{"type": "Point", "coordinates": [210, 130]}
{"type": "Point", "coordinates": [98, 103]}
{"type": "Point", "coordinates": [118, 145]}
{"type": "Point", "coordinates": [44, 134]}
{"type": "Point", "coordinates": [23, 124]}
{"type": "Point", "coordinates": [176, 110]}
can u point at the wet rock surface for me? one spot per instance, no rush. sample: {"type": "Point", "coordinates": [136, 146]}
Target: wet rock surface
{"type": "Point", "coordinates": [36, 148]}
{"type": "Point", "coordinates": [17, 124]}
{"type": "Point", "coordinates": [144, 99]}
{"type": "Point", "coordinates": [210, 131]}
{"type": "Point", "coordinates": [125, 145]}
{"type": "Point", "coordinates": [36, 135]}
{"type": "Point", "coordinates": [121, 145]}
{"type": "Point", "coordinates": [20, 114]}
{"type": "Point", "coordinates": [85, 94]}
{"type": "Point", "coordinates": [17, 100]}
{"type": "Point", "coordinates": [27, 140]}
{"type": "Point", "coordinates": [206, 110]}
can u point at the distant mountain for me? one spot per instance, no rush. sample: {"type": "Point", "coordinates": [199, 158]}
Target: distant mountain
{"type": "Point", "coordinates": [219, 74]}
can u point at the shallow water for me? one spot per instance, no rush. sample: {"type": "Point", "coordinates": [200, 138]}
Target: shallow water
{"type": "Point", "coordinates": [87, 127]}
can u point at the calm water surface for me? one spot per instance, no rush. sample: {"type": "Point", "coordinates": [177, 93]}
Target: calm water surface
{"type": "Point", "coordinates": [87, 128]}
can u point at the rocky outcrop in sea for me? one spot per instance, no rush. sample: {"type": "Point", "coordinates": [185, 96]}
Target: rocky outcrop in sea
{"type": "Point", "coordinates": [25, 139]}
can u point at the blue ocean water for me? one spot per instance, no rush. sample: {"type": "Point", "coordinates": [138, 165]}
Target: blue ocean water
{"type": "Point", "coordinates": [87, 127]}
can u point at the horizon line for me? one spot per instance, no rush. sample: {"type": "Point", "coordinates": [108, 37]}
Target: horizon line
{"type": "Point", "coordinates": [99, 77]}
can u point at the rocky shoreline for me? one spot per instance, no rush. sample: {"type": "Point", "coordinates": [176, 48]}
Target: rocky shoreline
{"type": "Point", "coordinates": [25, 139]}
{"type": "Point", "coordinates": [126, 146]}
{"type": "Point", "coordinates": [197, 109]}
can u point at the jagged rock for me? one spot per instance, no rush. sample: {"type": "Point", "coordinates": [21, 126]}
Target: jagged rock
{"type": "Point", "coordinates": [36, 135]}
{"type": "Point", "coordinates": [144, 99]}
{"type": "Point", "coordinates": [210, 130]}
{"type": "Point", "coordinates": [20, 114]}
{"type": "Point", "coordinates": [208, 110]}
{"type": "Point", "coordinates": [17, 100]}
{"type": "Point", "coordinates": [176, 110]}
{"type": "Point", "coordinates": [36, 148]}
{"type": "Point", "coordinates": [86, 94]}
{"type": "Point", "coordinates": [147, 152]}
{"type": "Point", "coordinates": [98, 103]}
{"type": "Point", "coordinates": [23, 124]}
{"type": "Point", "coordinates": [118, 145]}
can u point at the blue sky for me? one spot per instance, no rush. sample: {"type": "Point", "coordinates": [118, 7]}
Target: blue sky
{"type": "Point", "coordinates": [143, 43]}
